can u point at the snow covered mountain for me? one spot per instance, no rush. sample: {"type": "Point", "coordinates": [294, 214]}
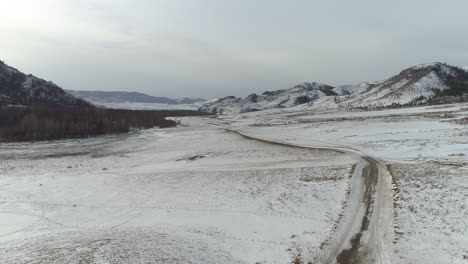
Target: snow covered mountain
{"type": "Point", "coordinates": [426, 83]}
{"type": "Point", "coordinates": [422, 84]}
{"type": "Point", "coordinates": [306, 93]}
{"type": "Point", "coordinates": [99, 97]}
{"type": "Point", "coordinates": [17, 88]}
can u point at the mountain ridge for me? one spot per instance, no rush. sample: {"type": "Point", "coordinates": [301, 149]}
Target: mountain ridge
{"type": "Point", "coordinates": [97, 97]}
{"type": "Point", "coordinates": [298, 94]}
{"type": "Point", "coordinates": [428, 83]}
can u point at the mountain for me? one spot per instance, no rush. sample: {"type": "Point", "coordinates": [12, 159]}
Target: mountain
{"type": "Point", "coordinates": [426, 83]}
{"type": "Point", "coordinates": [423, 84]}
{"type": "Point", "coordinates": [100, 97]}
{"type": "Point", "coordinates": [305, 93]}
{"type": "Point", "coordinates": [17, 88]}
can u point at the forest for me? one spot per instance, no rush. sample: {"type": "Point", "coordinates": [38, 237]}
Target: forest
{"type": "Point", "coordinates": [45, 122]}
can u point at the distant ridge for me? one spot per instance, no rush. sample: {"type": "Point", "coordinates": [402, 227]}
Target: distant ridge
{"type": "Point", "coordinates": [431, 83]}
{"type": "Point", "coordinates": [97, 97]}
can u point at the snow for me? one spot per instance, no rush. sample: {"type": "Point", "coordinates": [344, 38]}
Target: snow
{"type": "Point", "coordinates": [198, 193]}
{"type": "Point", "coordinates": [414, 85]}
{"type": "Point", "coordinates": [351, 89]}
{"type": "Point", "coordinates": [425, 65]}
{"type": "Point", "coordinates": [28, 89]}
{"type": "Point", "coordinates": [402, 92]}
{"type": "Point", "coordinates": [425, 149]}
{"type": "Point", "coordinates": [390, 134]}
{"type": "Point", "coordinates": [431, 216]}
{"type": "Point", "coordinates": [194, 193]}
{"type": "Point", "coordinates": [276, 99]}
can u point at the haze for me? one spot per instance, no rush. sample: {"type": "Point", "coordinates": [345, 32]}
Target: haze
{"type": "Point", "coordinates": [215, 48]}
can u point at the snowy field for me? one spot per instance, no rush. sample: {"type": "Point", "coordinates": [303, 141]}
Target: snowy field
{"type": "Point", "coordinates": [194, 194]}
{"type": "Point", "coordinates": [200, 194]}
{"type": "Point", "coordinates": [426, 152]}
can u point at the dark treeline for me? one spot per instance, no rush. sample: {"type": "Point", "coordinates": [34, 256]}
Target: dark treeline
{"type": "Point", "coordinates": [58, 122]}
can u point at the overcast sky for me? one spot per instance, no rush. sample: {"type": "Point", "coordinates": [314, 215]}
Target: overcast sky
{"type": "Point", "coordinates": [212, 48]}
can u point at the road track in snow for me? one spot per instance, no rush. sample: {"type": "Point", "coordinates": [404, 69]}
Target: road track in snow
{"type": "Point", "coordinates": [360, 236]}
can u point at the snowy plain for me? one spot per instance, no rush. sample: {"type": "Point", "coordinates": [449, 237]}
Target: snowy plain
{"type": "Point", "coordinates": [426, 152]}
{"type": "Point", "coordinates": [198, 193]}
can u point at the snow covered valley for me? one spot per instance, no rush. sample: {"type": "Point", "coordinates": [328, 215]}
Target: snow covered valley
{"type": "Point", "coordinates": [290, 190]}
{"type": "Point", "coordinates": [191, 194]}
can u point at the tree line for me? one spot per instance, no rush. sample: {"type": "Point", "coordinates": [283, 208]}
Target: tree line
{"type": "Point", "coordinates": [45, 122]}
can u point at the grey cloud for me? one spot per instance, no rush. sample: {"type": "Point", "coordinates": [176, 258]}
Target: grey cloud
{"type": "Point", "coordinates": [213, 48]}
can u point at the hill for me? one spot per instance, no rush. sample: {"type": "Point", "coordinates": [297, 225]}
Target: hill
{"type": "Point", "coordinates": [306, 93]}
{"type": "Point", "coordinates": [17, 88]}
{"type": "Point", "coordinates": [421, 84]}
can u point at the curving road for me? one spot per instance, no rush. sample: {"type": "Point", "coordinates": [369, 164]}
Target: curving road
{"type": "Point", "coordinates": [359, 237]}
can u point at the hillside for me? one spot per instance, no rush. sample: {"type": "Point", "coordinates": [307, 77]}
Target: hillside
{"type": "Point", "coordinates": [102, 97]}
{"type": "Point", "coordinates": [17, 88]}
{"type": "Point", "coordinates": [432, 83]}
{"type": "Point", "coordinates": [426, 83]}
{"type": "Point", "coordinates": [306, 93]}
